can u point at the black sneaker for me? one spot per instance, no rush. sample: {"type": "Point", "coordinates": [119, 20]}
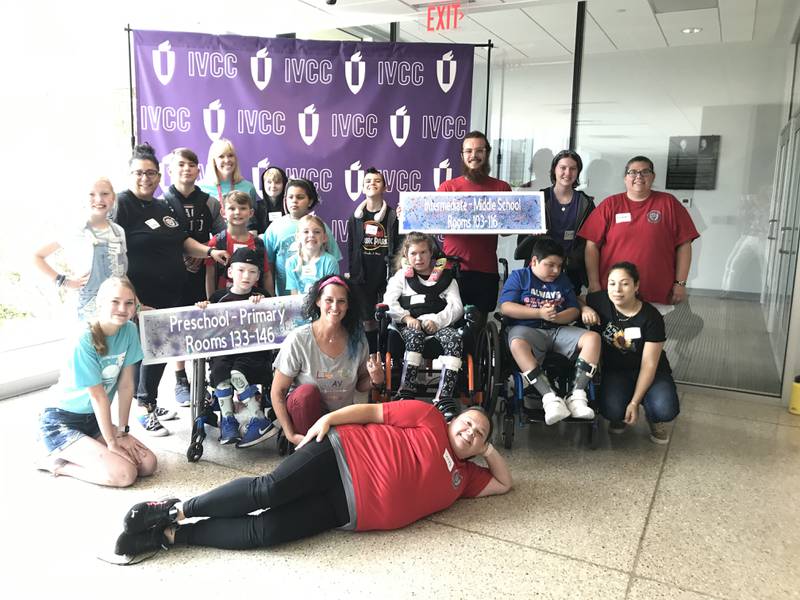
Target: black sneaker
{"type": "Point", "coordinates": [448, 408]}
{"type": "Point", "coordinates": [146, 515]}
{"type": "Point", "coordinates": [133, 544]}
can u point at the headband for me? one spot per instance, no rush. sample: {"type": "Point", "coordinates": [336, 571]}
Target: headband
{"type": "Point", "coordinates": [333, 279]}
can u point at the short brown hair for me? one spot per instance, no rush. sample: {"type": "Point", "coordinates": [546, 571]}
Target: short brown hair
{"type": "Point", "coordinates": [239, 197]}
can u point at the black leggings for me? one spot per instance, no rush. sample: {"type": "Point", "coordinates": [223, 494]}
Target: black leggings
{"type": "Point", "coordinates": [304, 496]}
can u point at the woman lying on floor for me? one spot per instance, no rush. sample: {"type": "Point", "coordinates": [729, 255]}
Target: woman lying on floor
{"type": "Point", "coordinates": [362, 467]}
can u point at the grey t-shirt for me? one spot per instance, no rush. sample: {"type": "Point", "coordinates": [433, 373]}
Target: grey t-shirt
{"type": "Point", "coordinates": [301, 359]}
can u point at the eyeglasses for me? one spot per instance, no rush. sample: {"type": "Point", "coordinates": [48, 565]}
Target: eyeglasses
{"type": "Point", "coordinates": [471, 151]}
{"type": "Point", "coordinates": [149, 174]}
{"type": "Point", "coordinates": [633, 173]}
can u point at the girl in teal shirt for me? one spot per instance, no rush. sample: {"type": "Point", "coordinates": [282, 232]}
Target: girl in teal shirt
{"type": "Point", "coordinates": [78, 431]}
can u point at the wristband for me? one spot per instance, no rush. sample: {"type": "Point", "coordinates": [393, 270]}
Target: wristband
{"type": "Point", "coordinates": [123, 431]}
{"type": "Point", "coordinates": [60, 279]}
{"type": "Point", "coordinates": [209, 251]}
{"type": "Point", "coordinates": [680, 282]}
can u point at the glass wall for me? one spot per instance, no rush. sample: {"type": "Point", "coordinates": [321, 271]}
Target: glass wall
{"type": "Point", "coordinates": [673, 97]}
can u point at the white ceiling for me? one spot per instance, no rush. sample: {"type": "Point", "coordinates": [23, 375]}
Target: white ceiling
{"type": "Point", "coordinates": [542, 30]}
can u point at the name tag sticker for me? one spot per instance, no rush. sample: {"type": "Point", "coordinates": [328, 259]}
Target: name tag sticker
{"type": "Point", "coordinates": [274, 216]}
{"type": "Point", "coordinates": [418, 299]}
{"type": "Point", "coordinates": [632, 333]}
{"type": "Point", "coordinates": [371, 229]}
{"type": "Point", "coordinates": [152, 224]}
{"type": "Point", "coordinates": [448, 460]}
{"type": "Point", "coordinates": [623, 217]}
{"type": "Point", "coordinates": [569, 235]}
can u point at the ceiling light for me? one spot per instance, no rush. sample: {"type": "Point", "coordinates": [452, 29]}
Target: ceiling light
{"type": "Point", "coordinates": [690, 30]}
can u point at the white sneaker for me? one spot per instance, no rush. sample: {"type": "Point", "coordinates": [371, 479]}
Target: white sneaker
{"type": "Point", "coordinates": [165, 414]}
{"type": "Point", "coordinates": [152, 426]}
{"type": "Point", "coordinates": [578, 405]}
{"type": "Point", "coordinates": [554, 408]}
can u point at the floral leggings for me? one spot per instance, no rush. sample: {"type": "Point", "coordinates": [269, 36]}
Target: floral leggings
{"type": "Point", "coordinates": [448, 337]}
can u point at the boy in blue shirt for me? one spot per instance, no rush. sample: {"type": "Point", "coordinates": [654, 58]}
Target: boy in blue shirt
{"type": "Point", "coordinates": [540, 303]}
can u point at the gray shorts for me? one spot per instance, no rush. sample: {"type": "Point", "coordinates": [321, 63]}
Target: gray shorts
{"type": "Point", "coordinates": [561, 340]}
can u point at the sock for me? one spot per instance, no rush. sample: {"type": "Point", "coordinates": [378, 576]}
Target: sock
{"type": "Point", "coordinates": [181, 375]}
{"type": "Point", "coordinates": [538, 380]}
{"type": "Point", "coordinates": [584, 371]}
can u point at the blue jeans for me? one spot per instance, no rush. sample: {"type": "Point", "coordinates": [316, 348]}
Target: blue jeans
{"type": "Point", "coordinates": [59, 428]}
{"type": "Point", "coordinates": [660, 402]}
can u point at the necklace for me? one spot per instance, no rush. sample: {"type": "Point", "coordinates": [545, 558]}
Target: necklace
{"type": "Point", "coordinates": [322, 338]}
{"type": "Point", "coordinates": [621, 318]}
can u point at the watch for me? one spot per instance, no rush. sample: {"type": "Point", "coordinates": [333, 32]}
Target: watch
{"type": "Point", "coordinates": [123, 431]}
{"type": "Point", "coordinates": [210, 250]}
{"type": "Point", "coordinates": [681, 283]}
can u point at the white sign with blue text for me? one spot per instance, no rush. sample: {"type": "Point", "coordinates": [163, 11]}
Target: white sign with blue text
{"type": "Point", "coordinates": [472, 212]}
{"type": "Point", "coordinates": [226, 328]}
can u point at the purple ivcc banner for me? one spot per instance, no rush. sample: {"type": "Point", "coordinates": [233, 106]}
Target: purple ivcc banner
{"type": "Point", "coordinates": [325, 111]}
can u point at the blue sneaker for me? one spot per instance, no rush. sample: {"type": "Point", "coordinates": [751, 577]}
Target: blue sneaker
{"type": "Point", "coordinates": [258, 430]}
{"type": "Point", "coordinates": [183, 394]}
{"type": "Point", "coordinates": [229, 431]}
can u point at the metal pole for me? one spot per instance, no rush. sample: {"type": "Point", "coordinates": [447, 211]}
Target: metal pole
{"type": "Point", "coordinates": [394, 31]}
{"type": "Point", "coordinates": [488, 77]}
{"type": "Point", "coordinates": [130, 86]}
{"type": "Point", "coordinates": [577, 64]}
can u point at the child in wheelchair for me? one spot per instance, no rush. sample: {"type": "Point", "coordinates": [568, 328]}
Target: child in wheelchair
{"type": "Point", "coordinates": [540, 303]}
{"type": "Point", "coordinates": [238, 371]}
{"type": "Point", "coordinates": [424, 300]}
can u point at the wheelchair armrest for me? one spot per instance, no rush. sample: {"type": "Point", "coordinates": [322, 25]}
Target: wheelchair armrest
{"type": "Point", "coordinates": [381, 311]}
{"type": "Point", "coordinates": [504, 262]}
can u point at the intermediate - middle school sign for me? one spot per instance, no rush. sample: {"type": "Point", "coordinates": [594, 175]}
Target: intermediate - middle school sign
{"type": "Point", "coordinates": [325, 111]}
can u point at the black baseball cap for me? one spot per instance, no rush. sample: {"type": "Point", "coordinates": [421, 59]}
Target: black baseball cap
{"type": "Point", "coordinates": [246, 255]}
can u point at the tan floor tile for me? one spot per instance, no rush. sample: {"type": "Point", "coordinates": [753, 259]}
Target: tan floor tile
{"type": "Point", "coordinates": [731, 407]}
{"type": "Point", "coordinates": [644, 589]}
{"type": "Point", "coordinates": [571, 500]}
{"type": "Point", "coordinates": [723, 521]}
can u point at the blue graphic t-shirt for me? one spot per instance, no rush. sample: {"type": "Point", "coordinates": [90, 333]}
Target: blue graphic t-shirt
{"type": "Point", "coordinates": [523, 287]}
{"type": "Point", "coordinates": [281, 246]}
{"type": "Point", "coordinates": [86, 368]}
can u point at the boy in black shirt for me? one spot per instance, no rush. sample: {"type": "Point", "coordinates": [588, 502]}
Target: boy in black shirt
{"type": "Point", "coordinates": [237, 371]}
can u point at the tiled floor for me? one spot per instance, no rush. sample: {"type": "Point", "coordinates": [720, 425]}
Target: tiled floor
{"type": "Point", "coordinates": [712, 515]}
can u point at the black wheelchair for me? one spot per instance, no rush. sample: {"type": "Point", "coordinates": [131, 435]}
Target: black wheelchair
{"type": "Point", "coordinates": [478, 378]}
{"type": "Point", "coordinates": [204, 405]}
{"type": "Point", "coordinates": [515, 410]}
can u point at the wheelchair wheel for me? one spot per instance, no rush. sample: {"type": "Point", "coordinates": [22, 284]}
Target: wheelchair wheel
{"type": "Point", "coordinates": [508, 431]}
{"type": "Point", "coordinates": [489, 366]}
{"type": "Point", "coordinates": [194, 452]}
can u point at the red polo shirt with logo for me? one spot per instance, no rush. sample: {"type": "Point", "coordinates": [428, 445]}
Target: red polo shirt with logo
{"type": "Point", "coordinates": [405, 469]}
{"type": "Point", "coordinates": [645, 233]}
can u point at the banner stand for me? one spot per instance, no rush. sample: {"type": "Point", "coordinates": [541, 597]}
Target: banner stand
{"type": "Point", "coordinates": [128, 31]}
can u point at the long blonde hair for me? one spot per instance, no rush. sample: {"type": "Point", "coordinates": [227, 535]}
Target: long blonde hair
{"type": "Point", "coordinates": [103, 294]}
{"type": "Point", "coordinates": [221, 146]}
{"type": "Point", "coordinates": [323, 247]}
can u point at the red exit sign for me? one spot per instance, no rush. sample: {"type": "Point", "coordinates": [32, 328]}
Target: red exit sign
{"type": "Point", "coordinates": [445, 16]}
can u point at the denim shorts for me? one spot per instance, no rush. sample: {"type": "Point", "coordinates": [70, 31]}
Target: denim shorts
{"type": "Point", "coordinates": [59, 428]}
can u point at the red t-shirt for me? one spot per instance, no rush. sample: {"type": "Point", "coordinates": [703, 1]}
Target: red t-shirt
{"type": "Point", "coordinates": [645, 233]}
{"type": "Point", "coordinates": [477, 252]}
{"type": "Point", "coordinates": [405, 469]}
{"type": "Point", "coordinates": [232, 246]}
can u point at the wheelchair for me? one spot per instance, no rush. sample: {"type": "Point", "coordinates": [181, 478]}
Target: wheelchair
{"type": "Point", "coordinates": [478, 378]}
{"type": "Point", "coordinates": [559, 371]}
{"type": "Point", "coordinates": [204, 405]}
